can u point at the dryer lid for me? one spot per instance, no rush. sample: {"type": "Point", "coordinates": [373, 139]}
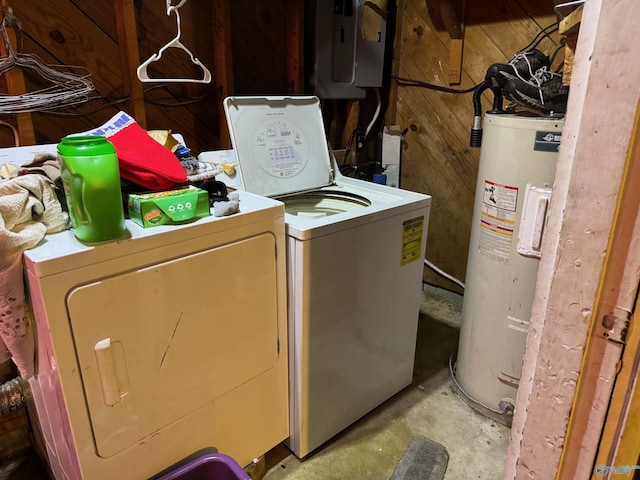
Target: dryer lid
{"type": "Point", "coordinates": [280, 143]}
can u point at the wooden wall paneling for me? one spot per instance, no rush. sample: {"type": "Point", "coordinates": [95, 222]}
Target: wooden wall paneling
{"type": "Point", "coordinates": [509, 26]}
{"type": "Point", "coordinates": [569, 28]}
{"type": "Point", "coordinates": [295, 46]}
{"type": "Point", "coordinates": [436, 157]}
{"type": "Point", "coordinates": [14, 436]}
{"type": "Point", "coordinates": [390, 112]}
{"type": "Point", "coordinates": [448, 15]}
{"type": "Point", "coordinates": [157, 28]}
{"type": "Point", "coordinates": [14, 79]}
{"type": "Point", "coordinates": [66, 38]}
{"type": "Point", "coordinates": [259, 46]}
{"type": "Point", "coordinates": [56, 41]}
{"type": "Point", "coordinates": [65, 32]}
{"type": "Point", "coordinates": [7, 134]}
{"type": "Point", "coordinates": [8, 131]}
{"type": "Point", "coordinates": [223, 65]}
{"type": "Point", "coordinates": [270, 19]}
{"type": "Point", "coordinates": [103, 15]}
{"type": "Point", "coordinates": [125, 14]}
{"type": "Point", "coordinates": [70, 38]}
{"type": "Point", "coordinates": [351, 122]}
{"type": "Point", "coordinates": [186, 108]}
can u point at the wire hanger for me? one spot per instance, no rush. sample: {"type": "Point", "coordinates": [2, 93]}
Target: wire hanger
{"type": "Point", "coordinates": [65, 88]}
{"type": "Point", "coordinates": [175, 43]}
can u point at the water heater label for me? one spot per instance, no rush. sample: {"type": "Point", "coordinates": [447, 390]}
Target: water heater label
{"type": "Point", "coordinates": [547, 141]}
{"type": "Point", "coordinates": [497, 221]}
{"type": "Point", "coordinates": [411, 240]}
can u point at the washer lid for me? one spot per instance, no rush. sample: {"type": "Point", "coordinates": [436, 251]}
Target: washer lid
{"type": "Point", "coordinates": [279, 143]}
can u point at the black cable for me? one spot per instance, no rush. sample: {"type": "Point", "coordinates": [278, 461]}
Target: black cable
{"type": "Point", "coordinates": [113, 101]}
{"type": "Point", "coordinates": [177, 104]}
{"type": "Point", "coordinates": [555, 53]}
{"type": "Point", "coordinates": [542, 33]}
{"type": "Point", "coordinates": [348, 147]}
{"type": "Point", "coordinates": [418, 83]}
{"type": "Point", "coordinates": [560, 67]}
{"type": "Point", "coordinates": [408, 82]}
{"type": "Point", "coordinates": [187, 101]}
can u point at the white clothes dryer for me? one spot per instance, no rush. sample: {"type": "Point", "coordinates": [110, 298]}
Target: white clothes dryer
{"type": "Point", "coordinates": [355, 254]}
{"type": "Point", "coordinates": [162, 344]}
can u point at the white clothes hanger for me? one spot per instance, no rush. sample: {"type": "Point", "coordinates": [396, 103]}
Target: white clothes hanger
{"type": "Point", "coordinates": [175, 43]}
{"type": "Point", "coordinates": [169, 6]}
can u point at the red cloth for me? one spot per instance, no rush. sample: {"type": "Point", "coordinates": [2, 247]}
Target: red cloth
{"type": "Point", "coordinates": [142, 160]}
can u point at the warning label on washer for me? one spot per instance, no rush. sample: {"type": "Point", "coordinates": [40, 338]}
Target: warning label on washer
{"type": "Point", "coordinates": [497, 220]}
{"type": "Point", "coordinates": [411, 240]}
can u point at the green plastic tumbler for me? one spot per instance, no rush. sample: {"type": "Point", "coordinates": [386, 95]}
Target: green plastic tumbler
{"type": "Point", "coordinates": [91, 179]}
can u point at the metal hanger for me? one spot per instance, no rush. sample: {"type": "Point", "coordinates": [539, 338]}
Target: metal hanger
{"type": "Point", "coordinates": [64, 87]}
{"type": "Point", "coordinates": [175, 43]}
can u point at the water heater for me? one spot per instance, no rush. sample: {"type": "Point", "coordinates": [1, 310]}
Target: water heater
{"type": "Point", "coordinates": [515, 175]}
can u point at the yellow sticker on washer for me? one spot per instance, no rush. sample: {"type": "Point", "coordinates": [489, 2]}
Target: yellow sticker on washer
{"type": "Point", "coordinates": [411, 240]}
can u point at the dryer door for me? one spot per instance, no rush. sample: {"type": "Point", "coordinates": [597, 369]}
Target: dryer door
{"type": "Point", "coordinates": [158, 344]}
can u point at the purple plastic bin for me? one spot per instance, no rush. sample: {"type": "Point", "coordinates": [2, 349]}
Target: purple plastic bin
{"type": "Point", "coordinates": [214, 466]}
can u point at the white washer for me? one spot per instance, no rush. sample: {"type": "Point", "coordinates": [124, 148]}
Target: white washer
{"type": "Point", "coordinates": [157, 346]}
{"type": "Point", "coordinates": [355, 255]}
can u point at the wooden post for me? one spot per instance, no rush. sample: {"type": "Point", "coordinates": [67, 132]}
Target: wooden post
{"type": "Point", "coordinates": [295, 46]}
{"type": "Point", "coordinates": [223, 66]}
{"type": "Point", "coordinates": [569, 27]}
{"type": "Point", "coordinates": [130, 58]}
{"type": "Point", "coordinates": [390, 113]}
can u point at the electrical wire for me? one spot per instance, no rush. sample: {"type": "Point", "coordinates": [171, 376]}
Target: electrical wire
{"type": "Point", "coordinates": [349, 146]}
{"type": "Point", "coordinates": [115, 101]}
{"type": "Point", "coordinates": [64, 89]}
{"type": "Point", "coordinates": [16, 136]}
{"type": "Point", "coordinates": [347, 150]}
{"type": "Point", "coordinates": [408, 82]}
{"type": "Point", "coordinates": [110, 103]}
{"type": "Point", "coordinates": [182, 103]}
{"type": "Point", "coordinates": [375, 115]}
{"type": "Point", "coordinates": [552, 58]}
{"type": "Point", "coordinates": [443, 273]}
{"type": "Point", "coordinates": [542, 33]}
{"type": "Point", "coordinates": [346, 166]}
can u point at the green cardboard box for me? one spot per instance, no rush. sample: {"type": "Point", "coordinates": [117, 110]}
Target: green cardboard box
{"type": "Point", "coordinates": [168, 207]}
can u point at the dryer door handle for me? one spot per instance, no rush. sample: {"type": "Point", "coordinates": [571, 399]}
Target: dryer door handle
{"type": "Point", "coordinates": [106, 372]}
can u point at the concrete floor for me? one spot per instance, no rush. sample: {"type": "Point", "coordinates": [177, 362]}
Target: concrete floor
{"type": "Point", "coordinates": [372, 447]}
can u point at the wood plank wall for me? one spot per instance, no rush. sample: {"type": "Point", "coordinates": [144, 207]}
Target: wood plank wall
{"type": "Point", "coordinates": [65, 32]}
{"type": "Point", "coordinates": [437, 158]}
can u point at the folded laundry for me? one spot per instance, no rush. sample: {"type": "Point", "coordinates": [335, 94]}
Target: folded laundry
{"type": "Point", "coordinates": [48, 165]}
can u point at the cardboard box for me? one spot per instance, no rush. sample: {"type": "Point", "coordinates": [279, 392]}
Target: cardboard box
{"type": "Point", "coordinates": [168, 207]}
